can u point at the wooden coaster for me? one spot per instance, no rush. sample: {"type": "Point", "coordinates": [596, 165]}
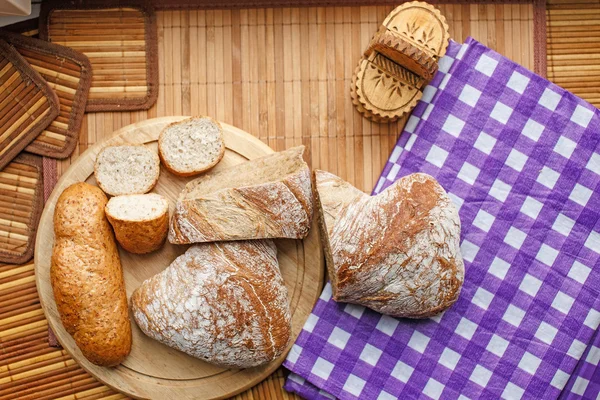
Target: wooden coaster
{"type": "Point", "coordinates": [69, 75]}
{"type": "Point", "coordinates": [385, 89]}
{"type": "Point", "coordinates": [421, 25]}
{"type": "Point", "coordinates": [21, 203]}
{"type": "Point", "coordinates": [119, 38]}
{"type": "Point", "coordinates": [27, 104]}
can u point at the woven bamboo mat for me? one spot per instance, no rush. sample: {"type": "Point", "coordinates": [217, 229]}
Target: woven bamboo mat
{"type": "Point", "coordinates": [119, 37]}
{"type": "Point", "coordinates": [574, 46]}
{"type": "Point", "coordinates": [68, 73]}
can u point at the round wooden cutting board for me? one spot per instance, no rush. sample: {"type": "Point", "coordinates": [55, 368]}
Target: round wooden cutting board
{"type": "Point", "coordinates": [153, 370]}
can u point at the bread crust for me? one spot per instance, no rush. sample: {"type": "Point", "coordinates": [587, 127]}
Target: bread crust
{"type": "Point", "coordinates": [170, 167]}
{"type": "Point", "coordinates": [224, 303]}
{"type": "Point", "coordinates": [140, 237]}
{"type": "Point", "coordinates": [87, 278]}
{"type": "Point", "coordinates": [397, 253]}
{"type": "Point", "coordinates": [278, 209]}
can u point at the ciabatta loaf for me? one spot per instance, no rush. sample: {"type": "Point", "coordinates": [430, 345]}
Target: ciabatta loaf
{"type": "Point", "coordinates": [397, 253]}
{"type": "Point", "coordinates": [224, 303]}
{"type": "Point", "coordinates": [140, 221]}
{"type": "Point", "coordinates": [87, 278]}
{"type": "Point", "coordinates": [191, 146]}
{"type": "Point", "coordinates": [268, 197]}
{"type": "Point", "coordinates": [127, 169]}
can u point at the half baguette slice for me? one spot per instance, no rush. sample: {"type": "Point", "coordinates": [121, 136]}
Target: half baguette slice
{"type": "Point", "coordinates": [191, 146]}
{"type": "Point", "coordinates": [268, 197]}
{"type": "Point", "coordinates": [140, 221]}
{"type": "Point", "coordinates": [126, 169]}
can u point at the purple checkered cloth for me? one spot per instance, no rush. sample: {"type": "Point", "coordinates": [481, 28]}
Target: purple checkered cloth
{"type": "Point", "coordinates": [519, 156]}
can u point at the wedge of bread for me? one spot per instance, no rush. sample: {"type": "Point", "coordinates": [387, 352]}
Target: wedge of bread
{"type": "Point", "coordinates": [191, 146]}
{"type": "Point", "coordinates": [126, 169]}
{"type": "Point", "coordinates": [268, 197]}
{"type": "Point", "coordinates": [140, 221]}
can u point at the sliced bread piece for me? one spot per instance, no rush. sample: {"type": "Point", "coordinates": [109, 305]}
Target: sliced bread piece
{"type": "Point", "coordinates": [268, 197]}
{"type": "Point", "coordinates": [140, 221]}
{"type": "Point", "coordinates": [191, 146]}
{"type": "Point", "coordinates": [126, 169]}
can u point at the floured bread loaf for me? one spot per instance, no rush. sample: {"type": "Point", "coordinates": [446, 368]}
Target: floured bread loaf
{"type": "Point", "coordinates": [268, 197]}
{"type": "Point", "coordinates": [224, 303]}
{"type": "Point", "coordinates": [191, 146]}
{"type": "Point", "coordinates": [397, 253]}
{"type": "Point", "coordinates": [126, 169]}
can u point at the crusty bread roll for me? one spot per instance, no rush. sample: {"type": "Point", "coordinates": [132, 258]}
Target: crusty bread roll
{"type": "Point", "coordinates": [140, 221]}
{"type": "Point", "coordinates": [86, 276]}
{"type": "Point", "coordinates": [268, 197]}
{"type": "Point", "coordinates": [191, 146]}
{"type": "Point", "coordinates": [397, 253]}
{"type": "Point", "coordinates": [126, 169]}
{"type": "Point", "coordinates": [224, 303]}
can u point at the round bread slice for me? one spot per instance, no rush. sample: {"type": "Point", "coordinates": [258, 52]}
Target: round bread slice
{"type": "Point", "coordinates": [191, 146]}
{"type": "Point", "coordinates": [140, 221]}
{"type": "Point", "coordinates": [126, 169]}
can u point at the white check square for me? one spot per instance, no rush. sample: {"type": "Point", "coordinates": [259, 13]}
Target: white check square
{"type": "Point", "coordinates": [579, 272]}
{"type": "Point", "coordinates": [516, 160]}
{"type": "Point", "coordinates": [548, 177]}
{"type": "Point", "coordinates": [453, 125]}
{"type": "Point", "coordinates": [428, 93]}
{"type": "Point", "coordinates": [582, 116]}
{"type": "Point", "coordinates": [485, 143]}
{"type": "Point", "coordinates": [339, 338]}
{"type": "Point", "coordinates": [499, 268]}
{"type": "Point", "coordinates": [418, 342]}
{"type": "Point", "coordinates": [562, 302]}
{"type": "Point", "coordinates": [497, 345]}
{"type": "Point", "coordinates": [436, 156]}
{"type": "Point", "coordinates": [515, 237]}
{"type": "Point", "coordinates": [580, 386]}
{"type": "Point", "coordinates": [593, 241]}
{"type": "Point", "coordinates": [355, 310]}
{"type": "Point", "coordinates": [449, 358]}
{"type": "Point", "coordinates": [402, 371]}
{"type": "Point", "coordinates": [468, 173]}
{"type": "Point", "coordinates": [513, 315]}
{"type": "Point", "coordinates": [458, 202]}
{"type": "Point", "coordinates": [481, 376]}
{"type": "Point", "coordinates": [354, 385]}
{"type": "Point", "coordinates": [294, 353]}
{"type": "Point", "coordinates": [531, 207]}
{"type": "Point", "coordinates": [500, 190]}
{"type": "Point", "coordinates": [409, 143]}
{"type": "Point", "coordinates": [549, 99]}
{"type": "Point", "coordinates": [484, 220]}
{"type": "Point", "coordinates": [322, 368]}
{"type": "Point", "coordinates": [593, 163]}
{"type": "Point", "coordinates": [560, 379]}
{"type": "Point", "coordinates": [469, 250]}
{"type": "Point", "coordinates": [546, 255]}
{"type": "Point", "coordinates": [512, 392]}
{"type": "Point", "coordinates": [383, 395]}
{"type": "Point", "coordinates": [518, 82]}
{"type": "Point", "coordinates": [486, 65]}
{"type": "Point", "coordinates": [412, 123]}
{"type": "Point", "coordinates": [501, 113]}
{"type": "Point", "coordinates": [466, 328]}
{"type": "Point", "coordinates": [565, 147]}
{"type": "Point", "coordinates": [546, 333]}
{"type": "Point", "coordinates": [530, 285]}
{"type": "Point", "coordinates": [593, 356]}
{"type": "Point", "coordinates": [482, 298]}
{"type": "Point", "coordinates": [469, 95]}
{"type": "Point", "coordinates": [311, 322]}
{"type": "Point", "coordinates": [370, 355]}
{"type": "Point", "coordinates": [387, 325]}
{"type": "Point", "coordinates": [533, 130]}
{"type": "Point", "coordinates": [576, 349]}
{"type": "Point", "coordinates": [433, 389]}
{"type": "Point", "coordinates": [580, 195]}
{"type": "Point", "coordinates": [563, 224]}
{"type": "Point", "coordinates": [592, 320]}
{"type": "Point", "coordinates": [529, 363]}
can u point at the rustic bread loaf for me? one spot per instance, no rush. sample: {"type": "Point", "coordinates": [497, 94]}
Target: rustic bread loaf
{"type": "Point", "coordinates": [397, 253]}
{"type": "Point", "coordinates": [140, 221]}
{"type": "Point", "coordinates": [126, 169]}
{"type": "Point", "coordinates": [191, 146]}
{"type": "Point", "coordinates": [86, 276]}
{"type": "Point", "coordinates": [268, 197]}
{"type": "Point", "coordinates": [224, 303]}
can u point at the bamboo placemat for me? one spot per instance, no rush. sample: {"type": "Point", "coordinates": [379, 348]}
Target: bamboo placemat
{"type": "Point", "coordinates": [68, 73]}
{"type": "Point", "coordinates": [119, 37]}
{"type": "Point", "coordinates": [27, 104]}
{"type": "Point", "coordinates": [21, 203]}
{"type": "Point", "coordinates": [574, 46]}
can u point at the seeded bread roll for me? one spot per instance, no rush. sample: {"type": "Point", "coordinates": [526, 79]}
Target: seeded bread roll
{"type": "Point", "coordinates": [87, 278]}
{"type": "Point", "coordinates": [224, 303]}
{"type": "Point", "coordinates": [140, 221]}
{"type": "Point", "coordinates": [126, 169]}
{"type": "Point", "coordinates": [191, 146]}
